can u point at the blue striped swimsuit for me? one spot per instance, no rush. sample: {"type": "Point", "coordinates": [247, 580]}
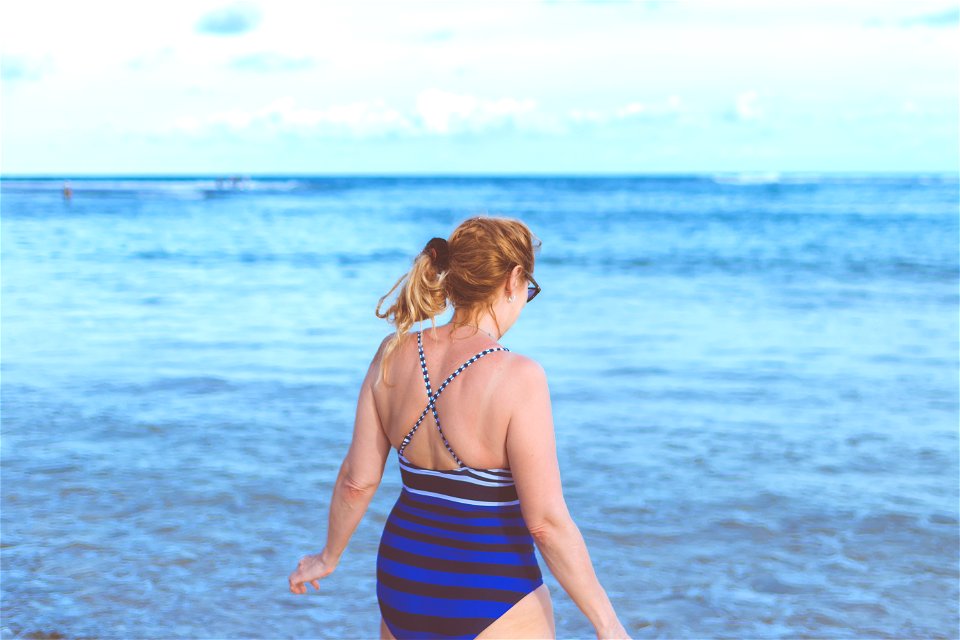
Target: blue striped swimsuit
{"type": "Point", "coordinates": [455, 553]}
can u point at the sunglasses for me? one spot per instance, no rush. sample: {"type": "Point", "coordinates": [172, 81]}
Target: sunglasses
{"type": "Point", "coordinates": [532, 289]}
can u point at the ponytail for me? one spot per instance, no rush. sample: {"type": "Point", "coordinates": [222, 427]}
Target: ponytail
{"type": "Point", "coordinates": [422, 295]}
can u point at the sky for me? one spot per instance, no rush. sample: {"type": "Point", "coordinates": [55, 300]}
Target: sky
{"type": "Point", "coordinates": [478, 87]}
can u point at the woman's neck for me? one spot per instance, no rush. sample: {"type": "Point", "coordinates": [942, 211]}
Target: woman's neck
{"type": "Point", "coordinates": [484, 323]}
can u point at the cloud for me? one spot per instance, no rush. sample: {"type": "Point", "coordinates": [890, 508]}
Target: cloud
{"type": "Point", "coordinates": [152, 59]}
{"type": "Point", "coordinates": [746, 108]}
{"type": "Point", "coordinates": [632, 111]}
{"type": "Point", "coordinates": [440, 35]}
{"type": "Point", "coordinates": [357, 119]}
{"type": "Point", "coordinates": [233, 19]}
{"type": "Point", "coordinates": [15, 68]}
{"type": "Point", "coordinates": [435, 113]}
{"type": "Point", "coordinates": [442, 112]}
{"type": "Point", "coordinates": [947, 18]}
{"type": "Point", "coordinates": [271, 61]}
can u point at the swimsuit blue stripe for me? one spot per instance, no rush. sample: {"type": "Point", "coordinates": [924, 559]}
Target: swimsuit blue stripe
{"type": "Point", "coordinates": [442, 607]}
{"type": "Point", "coordinates": [449, 553]}
{"type": "Point", "coordinates": [480, 522]}
{"type": "Point", "coordinates": [457, 535]}
{"type": "Point", "coordinates": [455, 579]}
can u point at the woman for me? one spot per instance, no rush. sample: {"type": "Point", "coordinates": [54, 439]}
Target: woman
{"type": "Point", "coordinates": [481, 487]}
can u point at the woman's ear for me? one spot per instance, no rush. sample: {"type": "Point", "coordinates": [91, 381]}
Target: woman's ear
{"type": "Point", "coordinates": [511, 282]}
{"type": "Point", "coordinates": [516, 280]}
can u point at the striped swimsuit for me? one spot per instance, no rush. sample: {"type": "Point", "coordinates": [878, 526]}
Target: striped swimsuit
{"type": "Point", "coordinates": [455, 553]}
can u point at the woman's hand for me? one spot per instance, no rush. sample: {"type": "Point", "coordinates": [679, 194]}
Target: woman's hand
{"type": "Point", "coordinates": [310, 569]}
{"type": "Point", "coordinates": [613, 632]}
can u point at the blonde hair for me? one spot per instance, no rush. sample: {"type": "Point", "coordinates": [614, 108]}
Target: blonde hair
{"type": "Point", "coordinates": [483, 250]}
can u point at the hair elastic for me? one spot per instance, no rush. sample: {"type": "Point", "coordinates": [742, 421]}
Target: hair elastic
{"type": "Point", "coordinates": [439, 252]}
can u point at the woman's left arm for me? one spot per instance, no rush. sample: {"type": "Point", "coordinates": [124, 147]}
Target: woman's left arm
{"type": "Point", "coordinates": [356, 483]}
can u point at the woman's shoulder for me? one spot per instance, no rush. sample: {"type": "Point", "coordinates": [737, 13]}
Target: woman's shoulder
{"type": "Point", "coordinates": [397, 338]}
{"type": "Point", "coordinates": [524, 368]}
{"type": "Point", "coordinates": [518, 373]}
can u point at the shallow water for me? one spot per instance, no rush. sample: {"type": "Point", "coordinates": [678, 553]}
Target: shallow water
{"type": "Point", "coordinates": [755, 393]}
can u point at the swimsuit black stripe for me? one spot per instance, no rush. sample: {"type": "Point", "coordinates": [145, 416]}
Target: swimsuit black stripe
{"type": "Point", "coordinates": [396, 526]}
{"type": "Point", "coordinates": [461, 487]}
{"type": "Point", "coordinates": [412, 625]}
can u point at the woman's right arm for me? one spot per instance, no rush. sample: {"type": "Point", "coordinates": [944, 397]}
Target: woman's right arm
{"type": "Point", "coordinates": [532, 452]}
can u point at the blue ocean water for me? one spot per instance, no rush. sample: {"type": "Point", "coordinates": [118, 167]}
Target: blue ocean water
{"type": "Point", "coordinates": [754, 384]}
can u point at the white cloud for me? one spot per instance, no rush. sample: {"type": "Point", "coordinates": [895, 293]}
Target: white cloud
{"type": "Point", "coordinates": [442, 112]}
{"type": "Point", "coordinates": [587, 115]}
{"type": "Point", "coordinates": [359, 119]}
{"type": "Point", "coordinates": [271, 61]}
{"type": "Point", "coordinates": [672, 106]}
{"type": "Point", "coordinates": [435, 113]}
{"type": "Point", "coordinates": [746, 106]}
{"type": "Point", "coordinates": [151, 59]}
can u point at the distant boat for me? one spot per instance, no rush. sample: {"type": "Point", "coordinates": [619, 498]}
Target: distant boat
{"type": "Point", "coordinates": [230, 184]}
{"type": "Point", "coordinates": [235, 182]}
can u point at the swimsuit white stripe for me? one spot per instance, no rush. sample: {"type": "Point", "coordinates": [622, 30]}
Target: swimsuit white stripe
{"type": "Point", "coordinates": [492, 476]}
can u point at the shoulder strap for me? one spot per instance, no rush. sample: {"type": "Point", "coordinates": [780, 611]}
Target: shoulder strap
{"type": "Point", "coordinates": [423, 364]}
{"type": "Point", "coordinates": [432, 397]}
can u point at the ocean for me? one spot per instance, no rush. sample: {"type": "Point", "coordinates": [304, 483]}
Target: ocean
{"type": "Point", "coordinates": [754, 382]}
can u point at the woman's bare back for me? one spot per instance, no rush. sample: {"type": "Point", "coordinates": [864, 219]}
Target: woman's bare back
{"type": "Point", "coordinates": [474, 414]}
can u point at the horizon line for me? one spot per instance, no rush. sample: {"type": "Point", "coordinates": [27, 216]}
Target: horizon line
{"type": "Point", "coordinates": [628, 174]}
